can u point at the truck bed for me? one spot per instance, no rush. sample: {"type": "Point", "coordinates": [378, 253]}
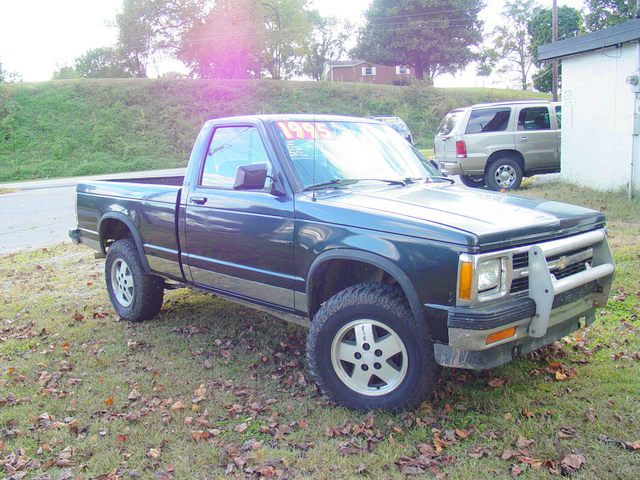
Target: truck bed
{"type": "Point", "coordinates": [146, 205]}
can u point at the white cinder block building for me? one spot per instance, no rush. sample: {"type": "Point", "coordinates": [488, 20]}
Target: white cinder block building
{"type": "Point", "coordinates": [600, 106]}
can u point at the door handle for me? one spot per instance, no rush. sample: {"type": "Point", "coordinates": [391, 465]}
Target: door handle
{"type": "Point", "coordinates": [524, 139]}
{"type": "Point", "coordinates": [198, 200]}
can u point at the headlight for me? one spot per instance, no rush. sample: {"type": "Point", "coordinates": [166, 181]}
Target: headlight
{"type": "Point", "coordinates": [482, 278]}
{"type": "Point", "coordinates": [489, 273]}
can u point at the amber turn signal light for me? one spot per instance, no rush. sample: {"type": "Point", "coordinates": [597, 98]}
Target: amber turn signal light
{"type": "Point", "coordinates": [465, 281]}
{"type": "Point", "coordinates": [501, 335]}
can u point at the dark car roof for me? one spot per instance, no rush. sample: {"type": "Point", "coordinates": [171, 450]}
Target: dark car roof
{"type": "Point", "coordinates": [300, 117]}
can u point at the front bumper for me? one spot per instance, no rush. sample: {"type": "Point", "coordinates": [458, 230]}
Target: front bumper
{"type": "Point", "coordinates": [551, 309]}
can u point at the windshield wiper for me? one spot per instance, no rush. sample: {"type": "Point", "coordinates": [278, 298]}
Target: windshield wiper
{"type": "Point", "coordinates": [448, 179]}
{"type": "Point", "coordinates": [334, 183]}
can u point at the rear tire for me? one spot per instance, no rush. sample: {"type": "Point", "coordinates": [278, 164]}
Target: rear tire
{"type": "Point", "coordinates": [134, 294]}
{"type": "Point", "coordinates": [368, 330]}
{"type": "Point", "coordinates": [473, 182]}
{"type": "Point", "coordinates": [504, 173]}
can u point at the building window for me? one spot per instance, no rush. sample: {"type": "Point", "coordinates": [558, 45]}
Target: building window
{"type": "Point", "coordinates": [368, 71]}
{"type": "Point", "coordinates": [401, 70]}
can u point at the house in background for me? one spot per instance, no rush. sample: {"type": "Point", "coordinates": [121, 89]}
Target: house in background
{"type": "Point", "coordinates": [364, 72]}
{"type": "Point", "coordinates": [600, 106]}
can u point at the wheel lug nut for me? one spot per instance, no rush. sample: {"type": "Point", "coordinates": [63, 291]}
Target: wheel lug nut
{"type": "Point", "coordinates": [358, 355]}
{"type": "Point", "coordinates": [377, 366]}
{"type": "Point", "coordinates": [378, 353]}
{"type": "Point", "coordinates": [366, 346]}
{"type": "Point", "coordinates": [365, 367]}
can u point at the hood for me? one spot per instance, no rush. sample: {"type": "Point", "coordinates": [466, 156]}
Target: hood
{"type": "Point", "coordinates": [478, 218]}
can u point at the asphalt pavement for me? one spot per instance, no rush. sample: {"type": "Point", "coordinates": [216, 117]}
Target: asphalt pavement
{"type": "Point", "coordinates": [40, 213]}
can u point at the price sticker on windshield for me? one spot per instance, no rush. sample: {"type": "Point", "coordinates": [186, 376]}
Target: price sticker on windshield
{"type": "Point", "coordinates": [304, 130]}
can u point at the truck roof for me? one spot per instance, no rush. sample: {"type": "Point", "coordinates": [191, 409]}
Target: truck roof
{"type": "Point", "coordinates": [509, 102]}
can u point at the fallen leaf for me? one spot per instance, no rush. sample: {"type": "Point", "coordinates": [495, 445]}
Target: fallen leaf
{"type": "Point", "coordinates": [571, 463]}
{"type": "Point", "coordinates": [109, 401]}
{"type": "Point", "coordinates": [241, 427]}
{"type": "Point", "coordinates": [523, 442]}
{"type": "Point", "coordinates": [179, 405]}
{"type": "Point", "coordinates": [153, 453]}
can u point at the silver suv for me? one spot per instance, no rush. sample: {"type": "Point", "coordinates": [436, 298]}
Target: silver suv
{"type": "Point", "coordinates": [497, 144]}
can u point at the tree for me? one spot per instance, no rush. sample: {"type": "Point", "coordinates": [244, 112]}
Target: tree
{"type": "Point", "coordinates": [328, 42]}
{"type": "Point", "coordinates": [224, 44]}
{"type": "Point", "coordinates": [9, 77]}
{"type": "Point", "coordinates": [287, 27]}
{"type": "Point", "coordinates": [607, 13]}
{"type": "Point", "coordinates": [539, 28]}
{"type": "Point", "coordinates": [432, 36]}
{"type": "Point", "coordinates": [512, 41]}
{"type": "Point", "coordinates": [246, 38]}
{"type": "Point", "coordinates": [64, 73]}
{"type": "Point", "coordinates": [149, 26]}
{"type": "Point", "coordinates": [102, 62]}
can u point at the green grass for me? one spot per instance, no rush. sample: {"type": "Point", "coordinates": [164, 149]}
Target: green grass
{"type": "Point", "coordinates": [82, 127]}
{"type": "Point", "coordinates": [68, 368]}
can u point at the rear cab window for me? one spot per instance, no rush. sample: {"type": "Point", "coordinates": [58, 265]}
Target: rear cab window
{"type": "Point", "coordinates": [486, 120]}
{"type": "Point", "coordinates": [450, 122]}
{"type": "Point", "coordinates": [534, 118]}
{"type": "Point", "coordinates": [559, 115]}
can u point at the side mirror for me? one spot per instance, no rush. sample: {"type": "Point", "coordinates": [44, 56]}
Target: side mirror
{"type": "Point", "coordinates": [251, 177]}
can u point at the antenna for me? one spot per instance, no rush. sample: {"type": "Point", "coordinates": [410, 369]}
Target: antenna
{"type": "Point", "coordinates": [313, 195]}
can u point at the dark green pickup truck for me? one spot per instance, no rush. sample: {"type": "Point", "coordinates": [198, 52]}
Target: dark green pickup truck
{"type": "Point", "coordinates": [340, 224]}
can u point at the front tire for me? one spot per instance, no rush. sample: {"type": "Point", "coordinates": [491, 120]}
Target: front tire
{"type": "Point", "coordinates": [504, 173]}
{"type": "Point", "coordinates": [473, 182]}
{"type": "Point", "coordinates": [367, 351]}
{"type": "Point", "coordinates": [134, 294]}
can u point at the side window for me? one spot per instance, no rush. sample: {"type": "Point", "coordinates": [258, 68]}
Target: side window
{"type": "Point", "coordinates": [488, 120]}
{"type": "Point", "coordinates": [559, 115]}
{"type": "Point", "coordinates": [230, 148]}
{"type": "Point", "coordinates": [534, 118]}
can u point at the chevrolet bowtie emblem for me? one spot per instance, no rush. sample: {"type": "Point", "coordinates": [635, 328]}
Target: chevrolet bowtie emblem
{"type": "Point", "coordinates": [562, 262]}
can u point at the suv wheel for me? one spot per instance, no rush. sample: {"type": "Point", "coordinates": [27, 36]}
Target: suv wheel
{"type": "Point", "coordinates": [504, 174]}
{"type": "Point", "coordinates": [367, 351]}
{"type": "Point", "coordinates": [473, 182]}
{"type": "Point", "coordinates": [134, 294]}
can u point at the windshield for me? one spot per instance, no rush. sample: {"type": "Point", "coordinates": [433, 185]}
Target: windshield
{"type": "Point", "coordinates": [350, 151]}
{"type": "Point", "coordinates": [449, 123]}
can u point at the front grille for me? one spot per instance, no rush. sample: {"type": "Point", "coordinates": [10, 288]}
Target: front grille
{"type": "Point", "coordinates": [519, 285]}
{"type": "Point", "coordinates": [570, 270]}
{"type": "Point", "coordinates": [521, 261]}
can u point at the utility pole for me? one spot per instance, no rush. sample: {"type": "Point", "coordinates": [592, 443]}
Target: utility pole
{"type": "Point", "coordinates": [554, 39]}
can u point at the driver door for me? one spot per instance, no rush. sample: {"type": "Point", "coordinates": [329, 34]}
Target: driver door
{"type": "Point", "coordinates": [240, 242]}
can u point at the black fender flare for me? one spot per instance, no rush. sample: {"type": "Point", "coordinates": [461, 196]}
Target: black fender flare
{"type": "Point", "coordinates": [134, 234]}
{"type": "Point", "coordinates": [373, 259]}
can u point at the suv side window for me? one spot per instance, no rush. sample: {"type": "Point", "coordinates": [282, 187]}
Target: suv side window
{"type": "Point", "coordinates": [230, 148]}
{"type": "Point", "coordinates": [534, 118]}
{"type": "Point", "coordinates": [488, 120]}
{"type": "Point", "coordinates": [559, 115]}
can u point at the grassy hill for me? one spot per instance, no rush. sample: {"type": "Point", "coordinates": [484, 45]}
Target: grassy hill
{"type": "Point", "coordinates": [78, 127]}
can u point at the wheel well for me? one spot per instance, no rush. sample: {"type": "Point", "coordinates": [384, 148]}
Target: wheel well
{"type": "Point", "coordinates": [513, 154]}
{"type": "Point", "coordinates": [335, 275]}
{"type": "Point", "coordinates": [112, 230]}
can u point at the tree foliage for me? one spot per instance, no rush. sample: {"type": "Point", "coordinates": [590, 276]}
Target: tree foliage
{"type": "Point", "coordinates": [328, 42]}
{"type": "Point", "coordinates": [432, 36]}
{"type": "Point", "coordinates": [102, 62]}
{"type": "Point", "coordinates": [511, 52]}
{"type": "Point", "coordinates": [9, 77]}
{"type": "Point", "coordinates": [224, 44]}
{"type": "Point", "coordinates": [249, 38]}
{"type": "Point", "coordinates": [149, 26]}
{"type": "Point", "coordinates": [65, 72]}
{"type": "Point", "coordinates": [607, 13]}
{"type": "Point", "coordinates": [540, 32]}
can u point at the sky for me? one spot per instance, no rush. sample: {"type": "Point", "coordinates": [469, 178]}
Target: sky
{"type": "Point", "coordinates": [38, 36]}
